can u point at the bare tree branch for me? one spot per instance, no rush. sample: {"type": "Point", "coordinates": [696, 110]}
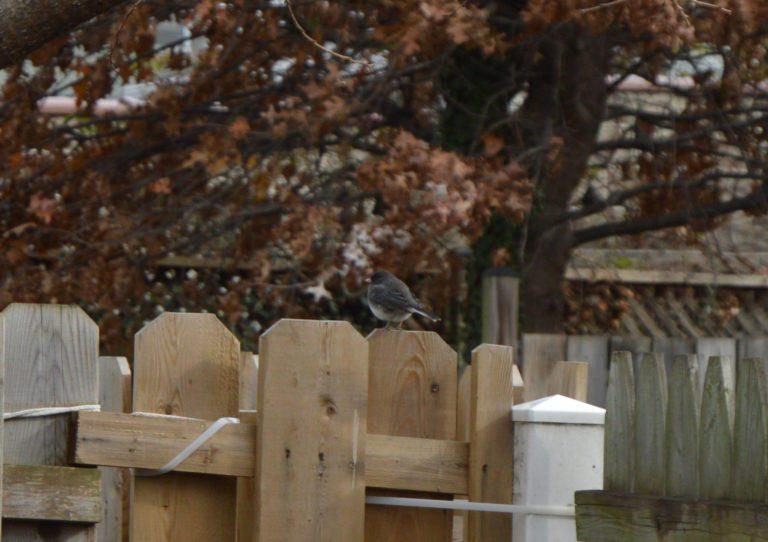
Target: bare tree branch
{"type": "Point", "coordinates": [758, 200]}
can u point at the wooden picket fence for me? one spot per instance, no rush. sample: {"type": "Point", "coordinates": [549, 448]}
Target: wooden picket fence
{"type": "Point", "coordinates": [596, 350]}
{"type": "Point", "coordinates": [328, 417]}
{"type": "Point", "coordinates": [686, 452]}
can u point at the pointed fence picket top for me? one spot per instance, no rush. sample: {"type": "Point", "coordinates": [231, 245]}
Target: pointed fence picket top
{"type": "Point", "coordinates": [650, 412]}
{"type": "Point", "coordinates": [716, 430]}
{"type": "Point", "coordinates": [185, 365]}
{"type": "Point", "coordinates": [750, 438]}
{"type": "Point", "coordinates": [412, 392]}
{"type": "Point", "coordinates": [310, 465]}
{"type": "Point", "coordinates": [51, 360]}
{"type": "Point", "coordinates": [681, 452]}
{"type": "Point", "coordinates": [618, 474]}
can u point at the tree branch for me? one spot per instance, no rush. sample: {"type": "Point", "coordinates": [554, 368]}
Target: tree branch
{"type": "Point", "coordinates": [758, 200]}
{"type": "Point", "coordinates": [25, 25]}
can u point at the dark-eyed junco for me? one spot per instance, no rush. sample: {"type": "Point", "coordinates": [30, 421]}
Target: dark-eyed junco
{"type": "Point", "coordinates": [391, 300]}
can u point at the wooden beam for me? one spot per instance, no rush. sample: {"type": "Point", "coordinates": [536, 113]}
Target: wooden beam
{"type": "Point", "coordinates": [603, 516]}
{"type": "Point", "coordinates": [128, 440]}
{"type": "Point", "coordinates": [638, 276]}
{"type": "Point", "coordinates": [43, 492]}
{"type": "Point", "coordinates": [149, 442]}
{"type": "Point", "coordinates": [418, 464]}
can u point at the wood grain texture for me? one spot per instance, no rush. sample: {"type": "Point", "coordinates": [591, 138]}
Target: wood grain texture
{"type": "Point", "coordinates": [412, 392]}
{"type": "Point", "coordinates": [637, 346]}
{"type": "Point", "coordinates": [619, 464]}
{"type": "Point", "coordinates": [540, 353]}
{"type": "Point", "coordinates": [115, 395]}
{"type": "Point", "coordinates": [750, 438]}
{"type": "Point", "coordinates": [681, 446]}
{"type": "Point", "coordinates": [134, 441]}
{"type": "Point", "coordinates": [461, 520]}
{"type": "Point", "coordinates": [501, 305]}
{"type": "Point", "coordinates": [671, 347]}
{"type": "Point", "coordinates": [462, 406]}
{"type": "Point", "coordinates": [313, 378]}
{"type": "Point", "coordinates": [248, 375]}
{"type": "Point", "coordinates": [185, 365]}
{"type": "Point", "coordinates": [706, 347]}
{"type": "Point", "coordinates": [491, 442]}
{"type": "Point", "coordinates": [437, 466]}
{"type": "Point", "coordinates": [518, 386]}
{"type": "Point", "coordinates": [51, 493]}
{"type": "Point", "coordinates": [51, 354]}
{"type": "Point", "coordinates": [716, 430]}
{"type": "Point", "coordinates": [650, 419]}
{"type": "Point", "coordinates": [51, 357]}
{"type": "Point", "coordinates": [609, 517]}
{"type": "Point", "coordinates": [594, 350]}
{"type": "Point", "coordinates": [126, 440]}
{"type": "Point", "coordinates": [569, 378]}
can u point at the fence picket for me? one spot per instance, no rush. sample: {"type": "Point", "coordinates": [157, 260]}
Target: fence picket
{"type": "Point", "coordinates": [540, 353]}
{"type": "Point", "coordinates": [185, 365]}
{"type": "Point", "coordinates": [115, 381]}
{"type": "Point", "coordinates": [650, 412]}
{"type": "Point", "coordinates": [750, 440]}
{"type": "Point", "coordinates": [313, 377]}
{"type": "Point", "coordinates": [246, 487]}
{"type": "Point", "coordinates": [681, 465]}
{"type": "Point", "coordinates": [716, 430]}
{"type": "Point", "coordinates": [619, 424]}
{"type": "Point", "coordinates": [636, 345]}
{"type": "Point", "coordinates": [569, 378]}
{"type": "Point", "coordinates": [412, 390]}
{"type": "Point", "coordinates": [51, 356]}
{"type": "Point", "coordinates": [671, 347]}
{"type": "Point", "coordinates": [707, 347]}
{"type": "Point", "coordinates": [594, 350]}
{"type": "Point", "coordinates": [491, 440]}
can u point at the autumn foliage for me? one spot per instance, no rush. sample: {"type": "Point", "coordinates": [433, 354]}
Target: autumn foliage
{"type": "Point", "coordinates": [280, 152]}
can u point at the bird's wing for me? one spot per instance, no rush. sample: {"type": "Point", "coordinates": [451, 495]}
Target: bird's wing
{"type": "Point", "coordinates": [391, 299]}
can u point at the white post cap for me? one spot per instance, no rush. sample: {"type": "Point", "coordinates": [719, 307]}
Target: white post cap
{"type": "Point", "coordinates": [558, 409]}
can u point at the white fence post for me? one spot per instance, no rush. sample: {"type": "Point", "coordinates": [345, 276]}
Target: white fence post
{"type": "Point", "coordinates": [558, 450]}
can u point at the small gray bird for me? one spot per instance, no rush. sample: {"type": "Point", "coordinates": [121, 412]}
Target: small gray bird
{"type": "Point", "coordinates": [390, 299]}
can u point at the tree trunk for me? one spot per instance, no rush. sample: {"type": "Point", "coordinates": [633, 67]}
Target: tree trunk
{"type": "Point", "coordinates": [25, 25]}
{"type": "Point", "coordinates": [562, 115]}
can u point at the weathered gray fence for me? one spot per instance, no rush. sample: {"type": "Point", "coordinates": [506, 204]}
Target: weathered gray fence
{"type": "Point", "coordinates": [686, 452]}
{"type": "Point", "coordinates": [544, 350]}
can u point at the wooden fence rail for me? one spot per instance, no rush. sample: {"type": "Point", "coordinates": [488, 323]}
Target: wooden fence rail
{"type": "Point", "coordinates": [683, 461]}
{"type": "Point", "coordinates": [337, 416]}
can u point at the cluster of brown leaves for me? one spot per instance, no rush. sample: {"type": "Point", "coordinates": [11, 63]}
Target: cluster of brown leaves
{"type": "Point", "coordinates": [291, 171]}
{"type": "Point", "coordinates": [595, 308]}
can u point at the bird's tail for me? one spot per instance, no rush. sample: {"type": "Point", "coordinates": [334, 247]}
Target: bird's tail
{"type": "Point", "coordinates": [418, 309]}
